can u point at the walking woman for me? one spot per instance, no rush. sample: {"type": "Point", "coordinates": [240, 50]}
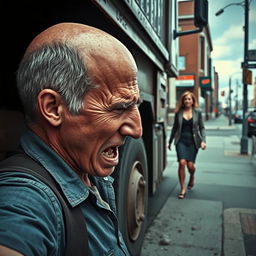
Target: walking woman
{"type": "Point", "coordinates": [188, 133]}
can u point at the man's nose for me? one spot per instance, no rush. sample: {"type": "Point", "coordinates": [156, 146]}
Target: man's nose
{"type": "Point", "coordinates": [132, 126]}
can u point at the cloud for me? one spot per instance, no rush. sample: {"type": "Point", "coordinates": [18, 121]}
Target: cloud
{"type": "Point", "coordinates": [252, 16]}
{"type": "Point", "coordinates": [229, 68]}
{"type": "Point", "coordinates": [226, 69]}
{"type": "Point", "coordinates": [252, 44]}
{"type": "Point", "coordinates": [232, 33]}
{"type": "Point", "coordinates": [221, 51]}
{"type": "Point", "coordinates": [230, 51]}
{"type": "Point", "coordinates": [230, 44]}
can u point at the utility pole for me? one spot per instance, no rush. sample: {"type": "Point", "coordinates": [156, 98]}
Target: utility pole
{"type": "Point", "coordinates": [244, 139]}
{"type": "Point", "coordinates": [237, 87]}
{"type": "Point", "coordinates": [230, 104]}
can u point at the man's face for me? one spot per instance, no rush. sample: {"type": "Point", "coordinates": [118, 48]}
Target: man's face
{"type": "Point", "coordinates": [92, 138]}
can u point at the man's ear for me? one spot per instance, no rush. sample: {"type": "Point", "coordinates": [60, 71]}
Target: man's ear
{"type": "Point", "coordinates": [51, 106]}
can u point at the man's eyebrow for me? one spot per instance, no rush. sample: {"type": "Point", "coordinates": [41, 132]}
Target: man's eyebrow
{"type": "Point", "coordinates": [122, 104]}
{"type": "Point", "coordinates": [125, 104]}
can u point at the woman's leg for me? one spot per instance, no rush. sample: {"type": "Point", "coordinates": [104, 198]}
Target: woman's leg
{"type": "Point", "coordinates": [191, 169]}
{"type": "Point", "coordinates": [182, 175]}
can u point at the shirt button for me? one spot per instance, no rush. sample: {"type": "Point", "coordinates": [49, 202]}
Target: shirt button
{"type": "Point", "coordinates": [105, 178]}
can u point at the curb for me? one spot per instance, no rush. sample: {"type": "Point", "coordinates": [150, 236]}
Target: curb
{"type": "Point", "coordinates": [233, 231]}
{"type": "Point", "coordinates": [209, 127]}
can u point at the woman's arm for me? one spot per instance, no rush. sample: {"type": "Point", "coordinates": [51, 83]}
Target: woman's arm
{"type": "Point", "coordinates": [202, 130]}
{"type": "Point", "coordinates": [174, 129]}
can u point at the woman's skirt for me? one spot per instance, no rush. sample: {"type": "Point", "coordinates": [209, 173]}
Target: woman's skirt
{"type": "Point", "coordinates": [187, 151]}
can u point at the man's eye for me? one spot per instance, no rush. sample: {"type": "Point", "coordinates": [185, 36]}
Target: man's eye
{"type": "Point", "coordinates": [121, 109]}
{"type": "Point", "coordinates": [118, 109]}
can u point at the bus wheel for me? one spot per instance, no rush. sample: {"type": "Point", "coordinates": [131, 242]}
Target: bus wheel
{"type": "Point", "coordinates": [131, 183]}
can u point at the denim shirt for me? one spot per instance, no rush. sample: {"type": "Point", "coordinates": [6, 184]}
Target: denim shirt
{"type": "Point", "coordinates": [31, 220]}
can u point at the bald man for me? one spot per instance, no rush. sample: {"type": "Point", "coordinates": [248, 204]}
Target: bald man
{"type": "Point", "coordinates": [79, 90]}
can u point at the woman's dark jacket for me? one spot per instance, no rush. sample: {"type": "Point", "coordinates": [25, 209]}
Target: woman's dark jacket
{"type": "Point", "coordinates": [198, 127]}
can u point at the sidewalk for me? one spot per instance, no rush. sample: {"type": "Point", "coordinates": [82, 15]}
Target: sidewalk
{"type": "Point", "coordinates": [206, 222]}
{"type": "Point", "coordinates": [220, 123]}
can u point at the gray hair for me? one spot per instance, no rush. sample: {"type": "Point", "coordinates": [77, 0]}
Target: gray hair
{"type": "Point", "coordinates": [58, 67]}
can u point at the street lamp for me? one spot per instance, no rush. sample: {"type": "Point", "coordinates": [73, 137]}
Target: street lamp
{"type": "Point", "coordinates": [245, 5]}
{"type": "Point", "coordinates": [219, 12]}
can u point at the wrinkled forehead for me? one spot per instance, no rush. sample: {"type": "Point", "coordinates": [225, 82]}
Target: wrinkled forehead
{"type": "Point", "coordinates": [108, 62]}
{"type": "Point", "coordinates": [117, 85]}
{"type": "Point", "coordinates": [103, 50]}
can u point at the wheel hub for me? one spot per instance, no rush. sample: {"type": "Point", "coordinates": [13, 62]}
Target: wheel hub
{"type": "Point", "coordinates": [136, 205]}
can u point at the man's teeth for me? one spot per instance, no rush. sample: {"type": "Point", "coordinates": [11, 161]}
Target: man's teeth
{"type": "Point", "coordinates": [109, 153]}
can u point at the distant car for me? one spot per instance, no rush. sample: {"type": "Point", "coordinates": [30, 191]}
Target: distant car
{"type": "Point", "coordinates": [238, 116]}
{"type": "Point", "coordinates": [251, 122]}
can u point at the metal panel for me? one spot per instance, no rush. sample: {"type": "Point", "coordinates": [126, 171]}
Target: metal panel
{"type": "Point", "coordinates": [120, 18]}
{"type": "Point", "coordinates": [155, 162]}
{"type": "Point", "coordinates": [149, 14]}
{"type": "Point", "coordinates": [158, 155]}
{"type": "Point", "coordinates": [161, 97]}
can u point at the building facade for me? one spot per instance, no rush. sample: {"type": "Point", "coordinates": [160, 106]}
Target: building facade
{"type": "Point", "coordinates": [196, 72]}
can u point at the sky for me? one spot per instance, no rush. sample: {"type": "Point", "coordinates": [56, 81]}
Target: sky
{"type": "Point", "coordinates": [228, 42]}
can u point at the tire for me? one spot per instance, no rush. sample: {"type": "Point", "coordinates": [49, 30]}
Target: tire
{"type": "Point", "coordinates": [131, 186]}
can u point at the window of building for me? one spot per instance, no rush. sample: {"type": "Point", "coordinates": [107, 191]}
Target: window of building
{"type": "Point", "coordinates": [181, 63]}
{"type": "Point", "coordinates": [154, 12]}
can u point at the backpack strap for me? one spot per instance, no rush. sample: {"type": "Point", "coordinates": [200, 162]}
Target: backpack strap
{"type": "Point", "coordinates": [75, 226]}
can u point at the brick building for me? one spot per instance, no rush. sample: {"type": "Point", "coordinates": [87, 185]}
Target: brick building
{"type": "Point", "coordinates": [196, 72]}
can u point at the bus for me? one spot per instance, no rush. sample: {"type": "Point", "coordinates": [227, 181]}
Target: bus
{"type": "Point", "coordinates": [149, 29]}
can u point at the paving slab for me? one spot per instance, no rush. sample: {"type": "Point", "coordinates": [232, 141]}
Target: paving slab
{"type": "Point", "coordinates": [235, 232]}
{"type": "Point", "coordinates": [186, 228]}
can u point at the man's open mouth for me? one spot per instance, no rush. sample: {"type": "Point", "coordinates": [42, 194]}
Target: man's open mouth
{"type": "Point", "coordinates": [111, 152]}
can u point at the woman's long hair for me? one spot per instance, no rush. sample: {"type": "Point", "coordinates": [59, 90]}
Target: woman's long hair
{"type": "Point", "coordinates": [181, 100]}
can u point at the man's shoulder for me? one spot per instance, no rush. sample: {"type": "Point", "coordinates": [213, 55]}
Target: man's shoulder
{"type": "Point", "coordinates": [16, 184]}
{"type": "Point", "coordinates": [14, 177]}
{"type": "Point", "coordinates": [30, 203]}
